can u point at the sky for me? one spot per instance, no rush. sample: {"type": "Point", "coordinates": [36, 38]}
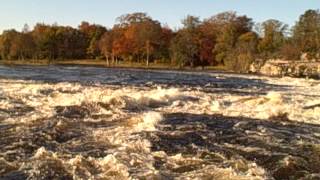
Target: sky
{"type": "Point", "coordinates": [16, 13]}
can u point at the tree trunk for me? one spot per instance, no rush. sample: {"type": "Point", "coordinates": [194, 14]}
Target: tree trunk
{"type": "Point", "coordinates": [148, 52]}
{"type": "Point", "coordinates": [112, 57]}
{"type": "Point", "coordinates": [107, 58]}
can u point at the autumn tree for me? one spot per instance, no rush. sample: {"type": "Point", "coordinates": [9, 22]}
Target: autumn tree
{"type": "Point", "coordinates": [151, 32]}
{"type": "Point", "coordinates": [120, 45]}
{"type": "Point", "coordinates": [223, 39]}
{"type": "Point", "coordinates": [106, 46]}
{"type": "Point", "coordinates": [142, 34]}
{"type": "Point", "coordinates": [207, 39]}
{"type": "Point", "coordinates": [290, 50]}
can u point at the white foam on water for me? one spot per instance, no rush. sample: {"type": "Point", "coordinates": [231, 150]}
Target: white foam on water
{"type": "Point", "coordinates": [149, 121]}
{"type": "Point", "coordinates": [118, 119]}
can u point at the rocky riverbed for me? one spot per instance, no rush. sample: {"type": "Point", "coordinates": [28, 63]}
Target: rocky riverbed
{"type": "Point", "coordinates": [279, 68]}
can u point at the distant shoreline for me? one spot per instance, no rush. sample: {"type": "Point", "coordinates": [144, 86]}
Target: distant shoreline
{"type": "Point", "coordinates": [142, 66]}
{"type": "Point", "coordinates": [101, 63]}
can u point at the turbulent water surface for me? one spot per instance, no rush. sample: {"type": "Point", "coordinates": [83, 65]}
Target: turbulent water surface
{"type": "Point", "coordinates": [96, 123]}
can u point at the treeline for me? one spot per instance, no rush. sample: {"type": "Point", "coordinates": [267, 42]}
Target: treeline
{"type": "Point", "coordinates": [224, 39]}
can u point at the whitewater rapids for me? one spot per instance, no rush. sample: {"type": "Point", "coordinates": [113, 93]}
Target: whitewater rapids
{"type": "Point", "coordinates": [96, 123]}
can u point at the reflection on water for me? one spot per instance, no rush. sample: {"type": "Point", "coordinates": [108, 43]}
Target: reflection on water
{"type": "Point", "coordinates": [96, 123]}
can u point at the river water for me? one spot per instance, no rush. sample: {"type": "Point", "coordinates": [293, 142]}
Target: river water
{"type": "Point", "coordinates": [97, 123]}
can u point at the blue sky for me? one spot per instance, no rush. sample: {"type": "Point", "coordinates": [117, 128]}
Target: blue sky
{"type": "Point", "coordinates": [15, 13]}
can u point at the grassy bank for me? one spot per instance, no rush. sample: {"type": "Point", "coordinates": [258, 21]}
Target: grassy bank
{"type": "Point", "coordinates": [101, 63]}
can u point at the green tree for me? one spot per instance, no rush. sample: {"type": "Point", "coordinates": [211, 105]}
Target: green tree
{"type": "Point", "coordinates": [23, 46]}
{"type": "Point", "coordinates": [185, 45]}
{"type": "Point", "coordinates": [150, 33]}
{"type": "Point", "coordinates": [244, 53]}
{"type": "Point", "coordinates": [273, 38]}
{"type": "Point", "coordinates": [6, 42]}
{"type": "Point", "coordinates": [93, 33]}
{"type": "Point", "coordinates": [231, 27]}
{"type": "Point", "coordinates": [0, 46]}
{"type": "Point", "coordinates": [162, 52]}
{"type": "Point", "coordinates": [71, 43]}
{"type": "Point", "coordinates": [306, 32]}
{"type": "Point", "coordinates": [46, 42]}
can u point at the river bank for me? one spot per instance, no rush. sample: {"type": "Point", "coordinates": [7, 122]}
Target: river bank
{"type": "Point", "coordinates": [102, 63]}
{"type": "Point", "coordinates": [271, 68]}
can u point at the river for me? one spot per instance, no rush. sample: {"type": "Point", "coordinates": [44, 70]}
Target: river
{"type": "Point", "coordinates": [97, 123]}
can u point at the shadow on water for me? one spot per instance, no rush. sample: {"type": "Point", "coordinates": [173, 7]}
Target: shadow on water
{"type": "Point", "coordinates": [207, 81]}
{"type": "Point", "coordinates": [285, 149]}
